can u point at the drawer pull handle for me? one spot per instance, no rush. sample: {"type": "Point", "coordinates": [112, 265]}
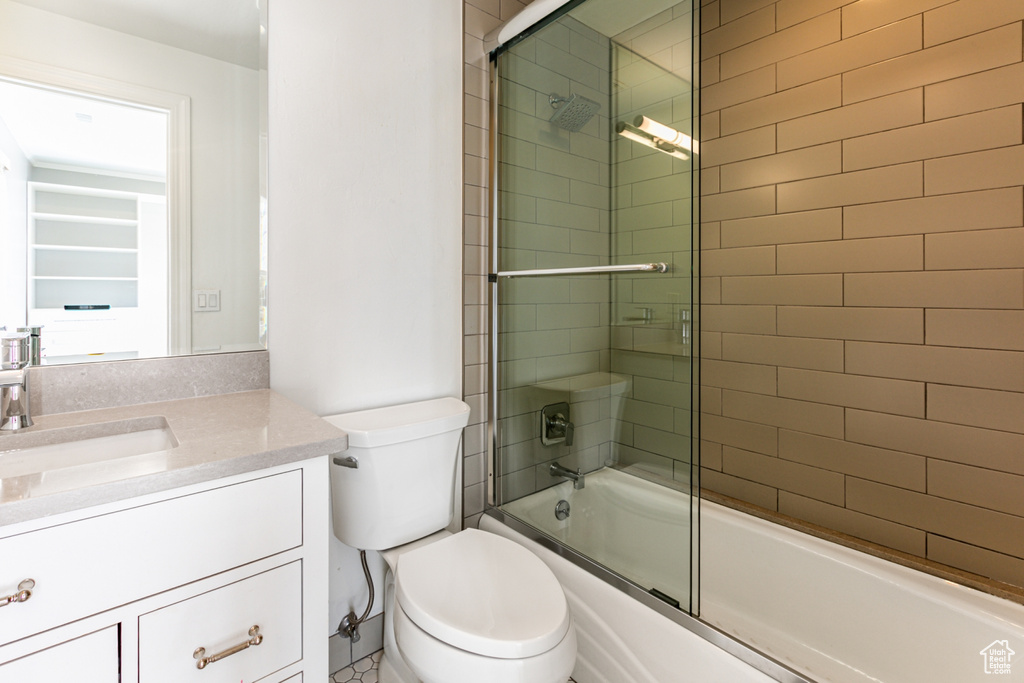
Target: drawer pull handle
{"type": "Point", "coordinates": [23, 594]}
{"type": "Point", "coordinates": [255, 638]}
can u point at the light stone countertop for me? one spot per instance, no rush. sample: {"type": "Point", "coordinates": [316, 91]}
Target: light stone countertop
{"type": "Point", "coordinates": [217, 436]}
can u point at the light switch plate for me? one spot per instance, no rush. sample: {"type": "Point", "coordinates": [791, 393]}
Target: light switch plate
{"type": "Point", "coordinates": [205, 300]}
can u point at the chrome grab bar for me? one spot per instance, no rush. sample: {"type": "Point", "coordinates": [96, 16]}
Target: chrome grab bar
{"type": "Point", "coordinates": [588, 270]}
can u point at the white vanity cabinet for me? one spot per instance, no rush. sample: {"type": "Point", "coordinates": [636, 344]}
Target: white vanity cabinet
{"type": "Point", "coordinates": [131, 591]}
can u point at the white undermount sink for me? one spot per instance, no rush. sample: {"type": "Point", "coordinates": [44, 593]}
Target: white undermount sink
{"type": "Point", "coordinates": [48, 450]}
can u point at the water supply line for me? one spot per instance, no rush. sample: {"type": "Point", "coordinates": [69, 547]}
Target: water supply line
{"type": "Point", "coordinates": [349, 626]}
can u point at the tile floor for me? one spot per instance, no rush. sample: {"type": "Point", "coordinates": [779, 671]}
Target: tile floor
{"type": "Point", "coordinates": [365, 670]}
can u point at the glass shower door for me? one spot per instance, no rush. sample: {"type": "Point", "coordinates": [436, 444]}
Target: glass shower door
{"type": "Point", "coordinates": [592, 299]}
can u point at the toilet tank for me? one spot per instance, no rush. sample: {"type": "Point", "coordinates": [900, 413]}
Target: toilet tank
{"type": "Point", "coordinates": [403, 487]}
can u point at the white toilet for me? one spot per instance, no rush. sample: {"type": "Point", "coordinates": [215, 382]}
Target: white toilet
{"type": "Point", "coordinates": [470, 607]}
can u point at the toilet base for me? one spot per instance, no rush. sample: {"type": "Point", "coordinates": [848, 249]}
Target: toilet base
{"type": "Point", "coordinates": [392, 668]}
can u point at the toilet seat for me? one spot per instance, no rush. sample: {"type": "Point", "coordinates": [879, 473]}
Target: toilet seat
{"type": "Point", "coordinates": [483, 594]}
{"type": "Point", "coordinates": [432, 661]}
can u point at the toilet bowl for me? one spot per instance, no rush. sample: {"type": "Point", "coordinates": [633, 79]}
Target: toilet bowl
{"type": "Point", "coordinates": [474, 607]}
{"type": "Point", "coordinates": [469, 607]}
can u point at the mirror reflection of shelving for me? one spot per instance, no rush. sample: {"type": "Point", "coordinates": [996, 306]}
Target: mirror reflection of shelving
{"type": "Point", "coordinates": [85, 247]}
{"type": "Point", "coordinates": [97, 269]}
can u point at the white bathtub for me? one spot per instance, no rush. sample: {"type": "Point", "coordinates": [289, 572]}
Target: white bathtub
{"type": "Point", "coordinates": [830, 613]}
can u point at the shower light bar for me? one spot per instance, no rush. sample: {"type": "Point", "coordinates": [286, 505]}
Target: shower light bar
{"type": "Point", "coordinates": [666, 133]}
{"type": "Point", "coordinates": [658, 136]}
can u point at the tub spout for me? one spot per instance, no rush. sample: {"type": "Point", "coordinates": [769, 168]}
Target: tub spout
{"type": "Point", "coordinates": [576, 477]}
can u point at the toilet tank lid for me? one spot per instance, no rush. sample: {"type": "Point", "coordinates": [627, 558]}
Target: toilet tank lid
{"type": "Point", "coordinates": [395, 424]}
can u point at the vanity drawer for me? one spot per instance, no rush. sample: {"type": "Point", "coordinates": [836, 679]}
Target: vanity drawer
{"type": "Point", "coordinates": [220, 621]}
{"type": "Point", "coordinates": [92, 658]}
{"type": "Point", "coordinates": [89, 566]}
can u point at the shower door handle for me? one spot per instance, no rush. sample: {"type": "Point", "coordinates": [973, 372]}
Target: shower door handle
{"type": "Point", "coordinates": [586, 270]}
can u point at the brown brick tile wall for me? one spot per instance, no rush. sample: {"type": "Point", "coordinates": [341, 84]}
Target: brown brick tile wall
{"type": "Point", "coordinates": [863, 269]}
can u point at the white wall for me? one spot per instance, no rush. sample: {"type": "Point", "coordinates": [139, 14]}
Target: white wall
{"type": "Point", "coordinates": [225, 134]}
{"type": "Point", "coordinates": [365, 213]}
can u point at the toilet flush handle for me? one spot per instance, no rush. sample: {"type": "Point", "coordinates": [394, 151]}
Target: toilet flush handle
{"type": "Point", "coordinates": [349, 461]}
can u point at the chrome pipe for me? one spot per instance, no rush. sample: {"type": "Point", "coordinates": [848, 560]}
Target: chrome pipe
{"type": "Point", "coordinates": [587, 270]}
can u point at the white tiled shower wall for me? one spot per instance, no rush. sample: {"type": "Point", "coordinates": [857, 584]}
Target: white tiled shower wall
{"type": "Point", "coordinates": [480, 17]}
{"type": "Point", "coordinates": [559, 202]}
{"type": "Point", "coordinates": [574, 199]}
{"type": "Point", "coordinates": [651, 222]}
{"type": "Point", "coordinates": [555, 214]}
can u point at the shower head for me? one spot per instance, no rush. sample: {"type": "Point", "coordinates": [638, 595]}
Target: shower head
{"type": "Point", "coordinates": [572, 112]}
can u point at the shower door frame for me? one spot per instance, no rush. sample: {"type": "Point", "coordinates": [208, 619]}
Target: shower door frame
{"type": "Point", "coordinates": [690, 621]}
{"type": "Point", "coordinates": [494, 454]}
{"type": "Point", "coordinates": [492, 437]}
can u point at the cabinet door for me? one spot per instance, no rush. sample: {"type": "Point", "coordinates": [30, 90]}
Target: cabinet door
{"type": "Point", "coordinates": [220, 622]}
{"type": "Point", "coordinates": [93, 658]}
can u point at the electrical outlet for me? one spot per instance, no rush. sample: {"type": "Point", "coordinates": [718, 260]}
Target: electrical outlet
{"type": "Point", "coordinates": [205, 300]}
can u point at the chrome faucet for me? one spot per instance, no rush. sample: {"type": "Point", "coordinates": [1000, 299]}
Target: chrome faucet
{"type": "Point", "coordinates": [576, 477]}
{"type": "Point", "coordinates": [15, 358]}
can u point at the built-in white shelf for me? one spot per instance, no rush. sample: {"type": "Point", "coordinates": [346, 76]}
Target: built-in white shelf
{"type": "Point", "coordinates": [85, 277]}
{"type": "Point", "coordinates": [94, 247]}
{"type": "Point", "coordinates": [71, 218]}
{"type": "Point", "coordinates": [82, 235]}
{"type": "Point", "coordinates": [64, 247]}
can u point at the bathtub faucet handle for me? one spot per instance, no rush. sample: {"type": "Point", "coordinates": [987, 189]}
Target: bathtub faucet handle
{"type": "Point", "coordinates": [559, 426]}
{"type": "Point", "coordinates": [570, 430]}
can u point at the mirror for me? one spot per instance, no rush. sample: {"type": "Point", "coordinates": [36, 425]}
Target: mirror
{"type": "Point", "coordinates": [133, 141]}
